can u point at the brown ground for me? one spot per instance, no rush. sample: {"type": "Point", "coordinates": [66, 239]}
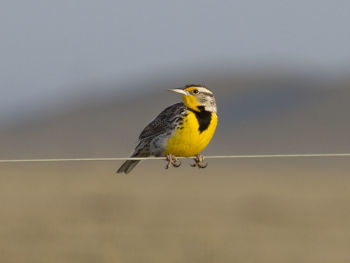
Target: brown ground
{"type": "Point", "coordinates": [251, 211]}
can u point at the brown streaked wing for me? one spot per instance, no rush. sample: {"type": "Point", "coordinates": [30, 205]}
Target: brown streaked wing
{"type": "Point", "coordinates": [164, 122]}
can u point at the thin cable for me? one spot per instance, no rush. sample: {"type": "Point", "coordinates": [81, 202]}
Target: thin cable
{"type": "Point", "coordinates": [163, 158]}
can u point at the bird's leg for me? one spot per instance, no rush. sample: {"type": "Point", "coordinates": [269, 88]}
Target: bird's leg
{"type": "Point", "coordinates": [198, 161]}
{"type": "Point", "coordinates": [172, 160]}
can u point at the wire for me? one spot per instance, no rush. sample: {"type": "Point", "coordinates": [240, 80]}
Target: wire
{"type": "Point", "coordinates": [163, 158]}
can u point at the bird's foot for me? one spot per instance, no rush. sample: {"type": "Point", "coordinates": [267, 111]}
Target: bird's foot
{"type": "Point", "coordinates": [172, 161]}
{"type": "Point", "coordinates": [199, 161]}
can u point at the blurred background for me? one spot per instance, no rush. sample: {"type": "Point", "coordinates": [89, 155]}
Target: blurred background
{"type": "Point", "coordinates": [82, 79]}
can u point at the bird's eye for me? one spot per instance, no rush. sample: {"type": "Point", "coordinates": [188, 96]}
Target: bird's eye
{"type": "Point", "coordinates": [195, 91]}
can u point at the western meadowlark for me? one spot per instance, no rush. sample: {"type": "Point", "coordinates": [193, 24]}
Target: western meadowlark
{"type": "Point", "coordinates": [182, 130]}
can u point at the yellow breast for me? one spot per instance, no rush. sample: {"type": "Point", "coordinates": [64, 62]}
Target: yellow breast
{"type": "Point", "coordinates": [187, 140]}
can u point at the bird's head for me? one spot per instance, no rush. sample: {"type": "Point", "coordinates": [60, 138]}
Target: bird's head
{"type": "Point", "coordinates": [197, 97]}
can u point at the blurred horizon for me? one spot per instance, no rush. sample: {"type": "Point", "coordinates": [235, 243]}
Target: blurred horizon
{"type": "Point", "coordinates": [104, 91]}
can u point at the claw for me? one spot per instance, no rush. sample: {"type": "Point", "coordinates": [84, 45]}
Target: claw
{"type": "Point", "coordinates": [172, 161]}
{"type": "Point", "coordinates": [198, 161]}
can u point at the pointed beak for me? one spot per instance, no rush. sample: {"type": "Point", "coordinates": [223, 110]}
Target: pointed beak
{"type": "Point", "coordinates": [180, 91]}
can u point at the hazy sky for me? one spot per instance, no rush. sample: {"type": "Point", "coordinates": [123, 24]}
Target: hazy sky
{"type": "Point", "coordinates": [49, 49]}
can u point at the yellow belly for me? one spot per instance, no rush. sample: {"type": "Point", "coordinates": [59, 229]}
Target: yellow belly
{"type": "Point", "coordinates": [189, 141]}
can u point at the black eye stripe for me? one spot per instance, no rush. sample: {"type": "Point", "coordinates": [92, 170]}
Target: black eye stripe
{"type": "Point", "coordinates": [202, 92]}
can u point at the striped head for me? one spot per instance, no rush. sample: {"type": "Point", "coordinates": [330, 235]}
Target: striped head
{"type": "Point", "coordinates": [197, 97]}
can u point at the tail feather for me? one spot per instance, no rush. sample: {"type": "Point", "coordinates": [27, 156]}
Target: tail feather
{"type": "Point", "coordinates": [128, 166]}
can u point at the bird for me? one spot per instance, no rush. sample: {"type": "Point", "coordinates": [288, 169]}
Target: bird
{"type": "Point", "coordinates": [181, 130]}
